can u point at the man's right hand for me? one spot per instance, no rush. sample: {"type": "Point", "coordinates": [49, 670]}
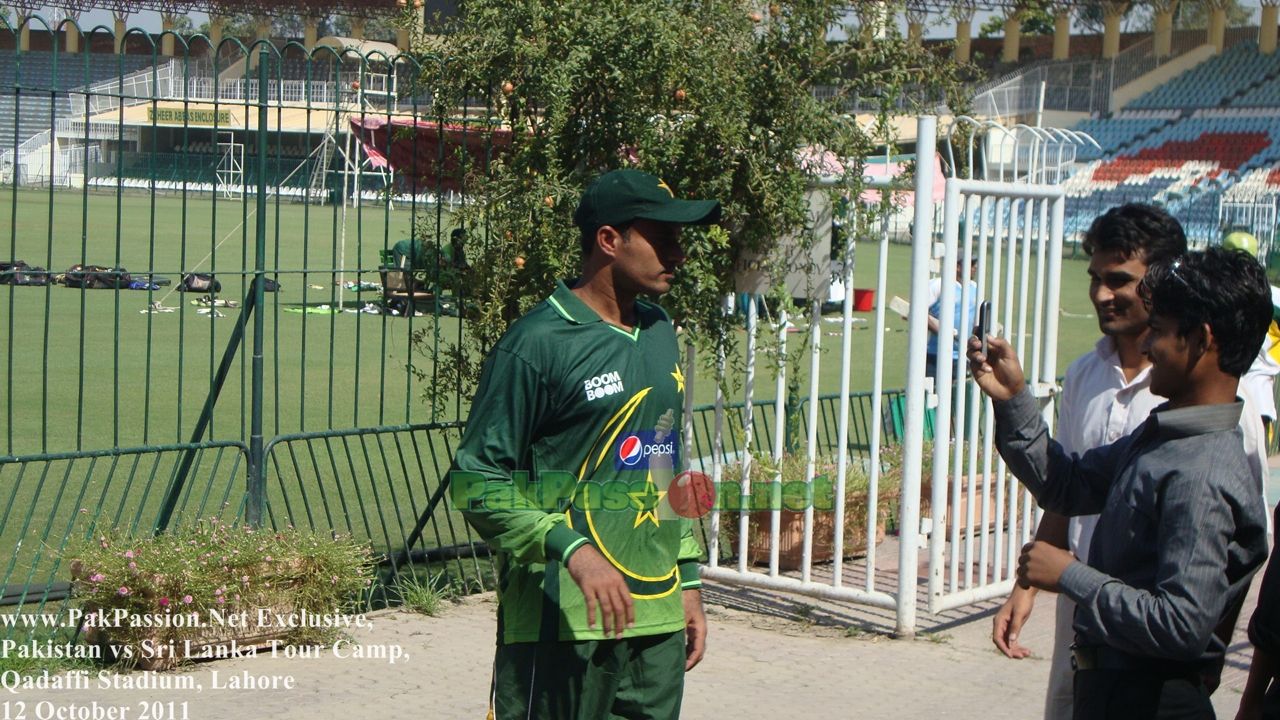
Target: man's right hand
{"type": "Point", "coordinates": [998, 372]}
{"type": "Point", "coordinates": [602, 586]}
{"type": "Point", "coordinates": [1009, 620]}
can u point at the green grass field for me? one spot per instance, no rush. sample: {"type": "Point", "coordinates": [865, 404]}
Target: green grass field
{"type": "Point", "coordinates": [88, 369]}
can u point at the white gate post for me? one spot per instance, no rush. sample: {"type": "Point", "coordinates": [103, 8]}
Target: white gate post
{"type": "Point", "coordinates": [917, 338]}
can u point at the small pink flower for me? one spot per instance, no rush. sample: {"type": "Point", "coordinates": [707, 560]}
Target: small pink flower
{"type": "Point", "coordinates": [221, 600]}
{"type": "Point", "coordinates": [267, 558]}
{"type": "Point", "coordinates": [128, 554]}
{"type": "Point", "coordinates": [133, 565]}
{"type": "Point", "coordinates": [97, 578]}
{"type": "Point", "coordinates": [164, 602]}
{"type": "Point", "coordinates": [218, 591]}
{"type": "Point", "coordinates": [187, 599]}
{"type": "Point", "coordinates": [122, 591]}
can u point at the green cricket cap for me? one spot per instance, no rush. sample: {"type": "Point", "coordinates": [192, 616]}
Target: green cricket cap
{"type": "Point", "coordinates": [620, 196]}
{"type": "Point", "coordinates": [1241, 240]}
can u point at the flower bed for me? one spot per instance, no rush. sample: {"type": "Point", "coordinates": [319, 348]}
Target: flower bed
{"type": "Point", "coordinates": [212, 590]}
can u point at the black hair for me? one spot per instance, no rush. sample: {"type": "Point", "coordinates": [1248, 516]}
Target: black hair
{"type": "Point", "coordinates": [1227, 289]}
{"type": "Point", "coordinates": [588, 235]}
{"type": "Point", "coordinates": [1137, 229]}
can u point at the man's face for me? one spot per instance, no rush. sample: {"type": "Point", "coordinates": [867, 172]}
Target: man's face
{"type": "Point", "coordinates": [1113, 289]}
{"type": "Point", "coordinates": [1171, 355]}
{"type": "Point", "coordinates": [648, 256]}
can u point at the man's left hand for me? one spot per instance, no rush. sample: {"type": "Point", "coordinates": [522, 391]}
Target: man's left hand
{"type": "Point", "coordinates": [695, 629]}
{"type": "Point", "coordinates": [1042, 565]}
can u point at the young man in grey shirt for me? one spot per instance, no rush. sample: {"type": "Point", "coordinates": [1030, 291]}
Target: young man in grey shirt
{"type": "Point", "coordinates": [1182, 528]}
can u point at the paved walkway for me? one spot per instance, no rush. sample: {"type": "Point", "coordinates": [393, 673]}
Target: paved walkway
{"type": "Point", "coordinates": [769, 656]}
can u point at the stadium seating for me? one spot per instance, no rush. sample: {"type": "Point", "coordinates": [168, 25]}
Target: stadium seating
{"type": "Point", "coordinates": [1115, 133]}
{"type": "Point", "coordinates": [31, 78]}
{"type": "Point", "coordinates": [173, 169]}
{"type": "Point", "coordinates": [1213, 83]}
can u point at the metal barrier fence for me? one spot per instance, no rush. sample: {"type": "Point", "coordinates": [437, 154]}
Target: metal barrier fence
{"type": "Point", "coordinates": [237, 358]}
{"type": "Point", "coordinates": [274, 387]}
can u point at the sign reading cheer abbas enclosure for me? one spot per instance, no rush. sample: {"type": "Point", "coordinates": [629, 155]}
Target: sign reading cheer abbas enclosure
{"type": "Point", "coordinates": [190, 116]}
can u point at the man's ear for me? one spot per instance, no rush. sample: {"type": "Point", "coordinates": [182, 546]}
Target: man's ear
{"type": "Point", "coordinates": [607, 240]}
{"type": "Point", "coordinates": [1206, 338]}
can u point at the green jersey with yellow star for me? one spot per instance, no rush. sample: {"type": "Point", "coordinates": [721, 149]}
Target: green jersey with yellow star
{"type": "Point", "coordinates": [573, 438]}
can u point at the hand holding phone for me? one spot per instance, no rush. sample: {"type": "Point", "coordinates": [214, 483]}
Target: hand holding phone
{"type": "Point", "coordinates": [984, 324]}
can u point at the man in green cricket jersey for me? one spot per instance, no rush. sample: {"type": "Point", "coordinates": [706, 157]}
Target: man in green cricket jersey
{"type": "Point", "coordinates": [564, 467]}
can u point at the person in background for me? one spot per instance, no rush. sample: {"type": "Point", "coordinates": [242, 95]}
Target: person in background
{"type": "Point", "coordinates": [1182, 528]}
{"type": "Point", "coordinates": [1106, 394]}
{"type": "Point", "coordinates": [1259, 382]}
{"type": "Point", "coordinates": [963, 318]}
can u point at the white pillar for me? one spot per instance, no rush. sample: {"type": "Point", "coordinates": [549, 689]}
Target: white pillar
{"type": "Point", "coordinates": [1112, 14]}
{"type": "Point", "coordinates": [1012, 36]}
{"type": "Point", "coordinates": [915, 32]}
{"type": "Point", "coordinates": [121, 18]}
{"type": "Point", "coordinates": [24, 32]}
{"type": "Point", "coordinates": [262, 29]}
{"type": "Point", "coordinates": [70, 31]}
{"type": "Point", "coordinates": [310, 32]}
{"type": "Point", "coordinates": [964, 39]}
{"type": "Point", "coordinates": [216, 24]}
{"type": "Point", "coordinates": [1267, 31]}
{"type": "Point", "coordinates": [1163, 42]}
{"type": "Point", "coordinates": [1218, 28]}
{"type": "Point", "coordinates": [1062, 34]}
{"type": "Point", "coordinates": [167, 40]}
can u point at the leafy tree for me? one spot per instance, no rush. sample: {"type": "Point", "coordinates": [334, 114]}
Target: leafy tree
{"type": "Point", "coordinates": [381, 27]}
{"type": "Point", "coordinates": [1036, 20]}
{"type": "Point", "coordinates": [716, 98]}
{"type": "Point", "coordinates": [1195, 16]}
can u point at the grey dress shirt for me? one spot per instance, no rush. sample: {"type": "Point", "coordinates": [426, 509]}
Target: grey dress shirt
{"type": "Point", "coordinates": [1182, 526]}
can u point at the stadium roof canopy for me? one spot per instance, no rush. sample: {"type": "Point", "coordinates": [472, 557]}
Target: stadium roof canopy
{"type": "Point", "coordinates": [369, 8]}
{"type": "Point", "coordinates": [359, 8]}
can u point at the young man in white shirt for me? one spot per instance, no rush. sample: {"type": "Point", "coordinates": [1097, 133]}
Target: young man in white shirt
{"type": "Point", "coordinates": [1106, 395]}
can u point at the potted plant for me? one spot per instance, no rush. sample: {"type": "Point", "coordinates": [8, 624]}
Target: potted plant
{"type": "Point", "coordinates": [792, 496]}
{"type": "Point", "coordinates": [892, 461]}
{"type": "Point", "coordinates": [213, 590]}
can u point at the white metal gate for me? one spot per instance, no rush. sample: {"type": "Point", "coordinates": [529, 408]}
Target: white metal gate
{"type": "Point", "coordinates": [1014, 230]}
{"type": "Point", "coordinates": [979, 515]}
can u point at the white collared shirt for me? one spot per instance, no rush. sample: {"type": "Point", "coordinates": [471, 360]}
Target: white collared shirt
{"type": "Point", "coordinates": [1098, 407]}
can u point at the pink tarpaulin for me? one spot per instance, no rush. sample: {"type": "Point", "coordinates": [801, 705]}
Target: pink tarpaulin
{"type": "Point", "coordinates": [427, 156]}
{"type": "Point", "coordinates": [904, 198]}
{"type": "Point", "coordinates": [818, 161]}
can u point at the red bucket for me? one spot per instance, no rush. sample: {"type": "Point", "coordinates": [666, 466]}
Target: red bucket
{"type": "Point", "coordinates": [863, 299]}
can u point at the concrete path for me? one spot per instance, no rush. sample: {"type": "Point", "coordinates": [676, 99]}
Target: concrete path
{"type": "Point", "coordinates": [769, 656]}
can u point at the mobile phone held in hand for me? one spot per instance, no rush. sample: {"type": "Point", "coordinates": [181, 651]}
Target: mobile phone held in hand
{"type": "Point", "coordinates": [984, 324]}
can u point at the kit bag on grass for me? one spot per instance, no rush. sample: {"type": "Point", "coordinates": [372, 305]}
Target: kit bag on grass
{"type": "Point", "coordinates": [31, 275]}
{"type": "Point", "coordinates": [17, 272]}
{"type": "Point", "coordinates": [200, 283]}
{"type": "Point", "coordinates": [10, 271]}
{"type": "Point", "coordinates": [97, 277]}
